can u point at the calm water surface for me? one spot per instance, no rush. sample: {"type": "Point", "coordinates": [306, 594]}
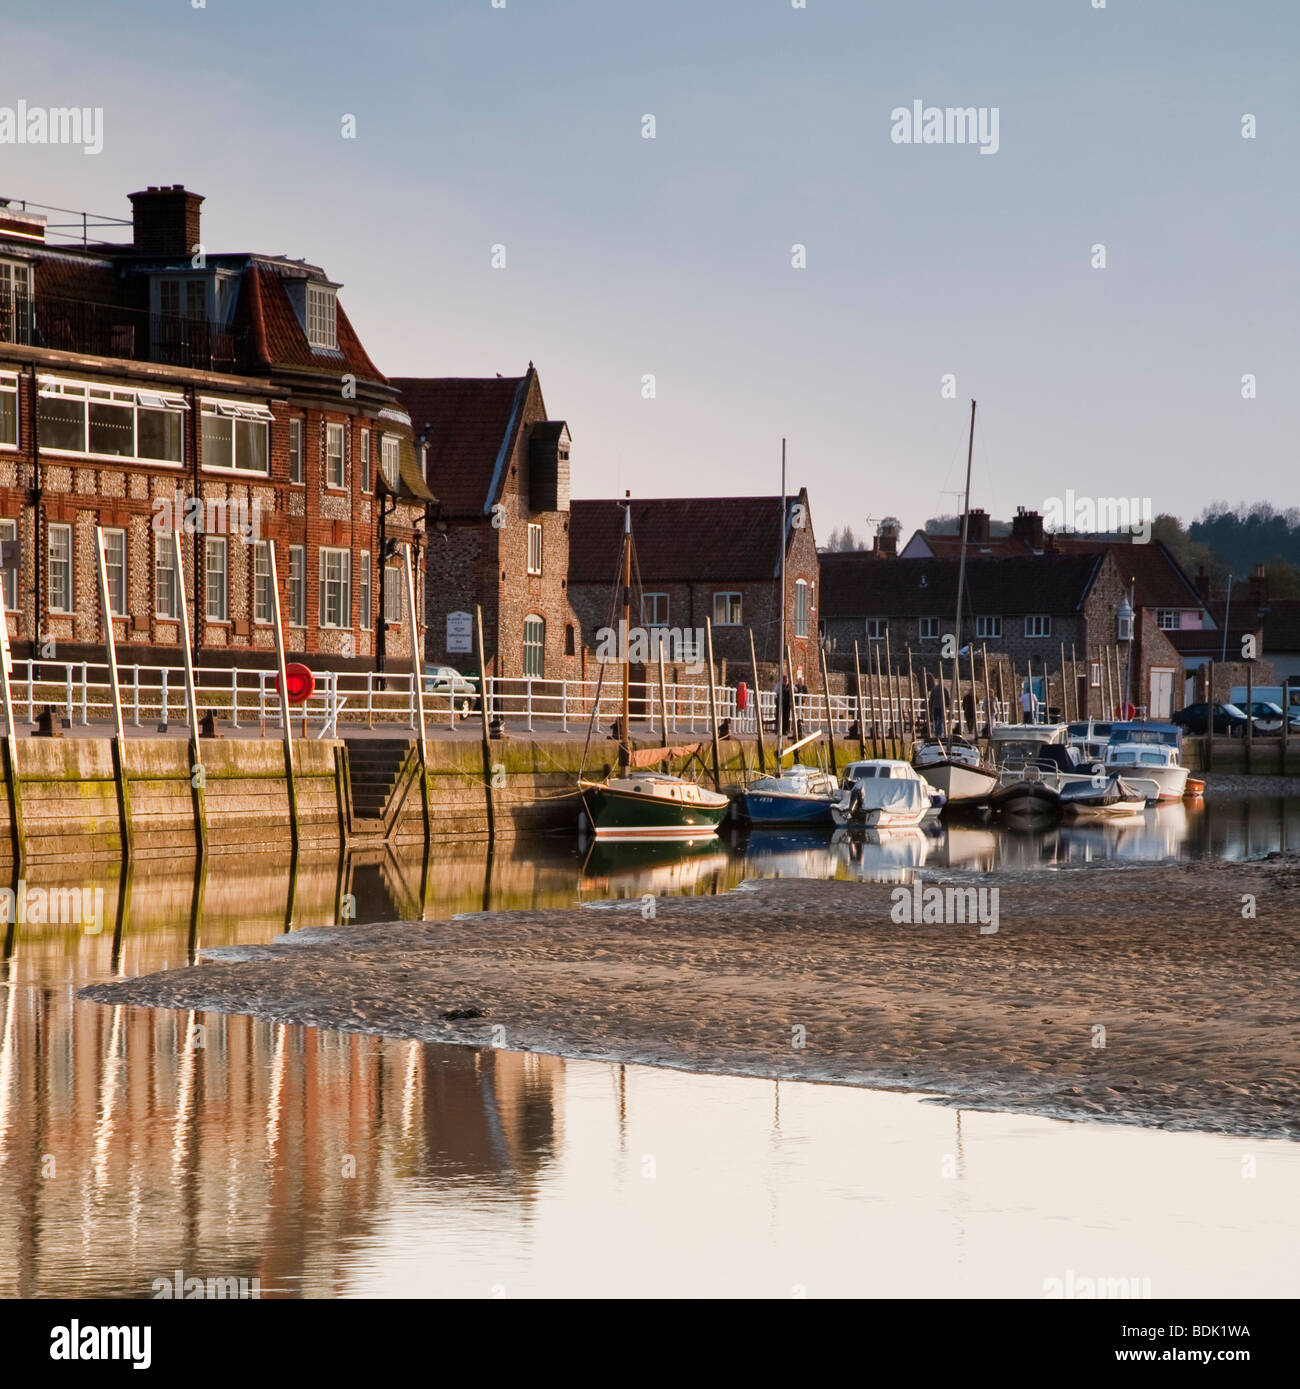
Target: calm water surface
{"type": "Point", "coordinates": [134, 1143]}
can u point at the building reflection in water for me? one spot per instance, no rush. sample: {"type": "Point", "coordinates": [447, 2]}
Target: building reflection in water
{"type": "Point", "coordinates": [135, 1142]}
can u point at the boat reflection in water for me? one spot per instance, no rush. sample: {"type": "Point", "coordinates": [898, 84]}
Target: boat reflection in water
{"type": "Point", "coordinates": [624, 868]}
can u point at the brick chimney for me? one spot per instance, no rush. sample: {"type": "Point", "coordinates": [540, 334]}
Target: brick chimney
{"type": "Point", "coordinates": [977, 522]}
{"type": "Point", "coordinates": [1203, 584]}
{"type": "Point", "coordinates": [166, 221]}
{"type": "Point", "coordinates": [886, 541]}
{"type": "Point", "coordinates": [1259, 585]}
{"type": "Point", "coordinates": [1028, 526]}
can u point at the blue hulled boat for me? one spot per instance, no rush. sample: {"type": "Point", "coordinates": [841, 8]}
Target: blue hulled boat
{"type": "Point", "coordinates": [799, 795]}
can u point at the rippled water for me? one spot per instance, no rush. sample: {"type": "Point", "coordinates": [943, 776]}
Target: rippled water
{"type": "Point", "coordinates": [136, 1143]}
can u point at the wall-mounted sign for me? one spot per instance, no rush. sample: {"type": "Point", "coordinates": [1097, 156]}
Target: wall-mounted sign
{"type": "Point", "coordinates": [460, 632]}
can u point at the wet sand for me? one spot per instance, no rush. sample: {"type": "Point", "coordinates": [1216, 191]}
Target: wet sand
{"type": "Point", "coordinates": [1198, 1006]}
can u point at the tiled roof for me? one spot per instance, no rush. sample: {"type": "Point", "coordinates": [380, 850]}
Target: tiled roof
{"type": "Point", "coordinates": [1160, 580]}
{"type": "Point", "coordinates": [678, 539]}
{"type": "Point", "coordinates": [1280, 623]}
{"type": "Point", "coordinates": [949, 546]}
{"type": "Point", "coordinates": [278, 339]}
{"type": "Point", "coordinates": [471, 423]}
{"type": "Point", "coordinates": [856, 585]}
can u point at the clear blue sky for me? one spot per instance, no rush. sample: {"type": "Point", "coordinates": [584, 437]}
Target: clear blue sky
{"type": "Point", "coordinates": [671, 256]}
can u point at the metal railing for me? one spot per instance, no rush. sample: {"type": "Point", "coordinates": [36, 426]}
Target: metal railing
{"type": "Point", "coordinates": [111, 330]}
{"type": "Point", "coordinates": [245, 697]}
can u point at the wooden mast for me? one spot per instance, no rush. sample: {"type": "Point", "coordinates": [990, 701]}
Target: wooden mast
{"type": "Point", "coordinates": [961, 584]}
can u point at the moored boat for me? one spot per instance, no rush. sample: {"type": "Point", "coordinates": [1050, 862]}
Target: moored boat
{"type": "Point", "coordinates": [955, 767]}
{"type": "Point", "coordinates": [1152, 768]}
{"type": "Point", "coordinates": [1026, 803]}
{"type": "Point", "coordinates": [798, 795]}
{"type": "Point", "coordinates": [651, 805]}
{"type": "Point", "coordinates": [1108, 798]}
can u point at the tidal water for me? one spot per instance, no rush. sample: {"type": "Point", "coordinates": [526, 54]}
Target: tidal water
{"type": "Point", "coordinates": [138, 1146]}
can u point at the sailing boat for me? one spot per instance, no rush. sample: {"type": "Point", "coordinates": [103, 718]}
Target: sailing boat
{"type": "Point", "coordinates": [646, 804]}
{"type": "Point", "coordinates": [949, 762]}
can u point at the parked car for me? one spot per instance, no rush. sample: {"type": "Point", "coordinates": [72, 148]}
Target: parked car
{"type": "Point", "coordinates": [1268, 717]}
{"type": "Point", "coordinates": [446, 680]}
{"type": "Point", "coordinates": [1227, 719]}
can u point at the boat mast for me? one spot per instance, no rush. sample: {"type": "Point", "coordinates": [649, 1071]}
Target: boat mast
{"type": "Point", "coordinates": [780, 653]}
{"type": "Point", "coordinates": [954, 713]}
{"type": "Point", "coordinates": [625, 744]}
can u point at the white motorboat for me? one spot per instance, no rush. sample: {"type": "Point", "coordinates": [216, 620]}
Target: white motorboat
{"type": "Point", "coordinates": [1055, 765]}
{"type": "Point", "coordinates": [956, 768]}
{"type": "Point", "coordinates": [1154, 769]}
{"type": "Point", "coordinates": [884, 793]}
{"type": "Point", "coordinates": [1026, 733]}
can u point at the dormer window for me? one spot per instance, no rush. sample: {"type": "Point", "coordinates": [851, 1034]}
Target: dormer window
{"type": "Point", "coordinates": [322, 317]}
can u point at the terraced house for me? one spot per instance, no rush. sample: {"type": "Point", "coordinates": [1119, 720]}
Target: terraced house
{"type": "Point", "coordinates": [146, 380]}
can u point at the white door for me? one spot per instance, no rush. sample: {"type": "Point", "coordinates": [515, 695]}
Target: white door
{"type": "Point", "coordinates": [1162, 694]}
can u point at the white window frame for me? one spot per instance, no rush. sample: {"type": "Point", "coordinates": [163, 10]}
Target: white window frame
{"type": "Point", "coordinates": [335, 434]}
{"type": "Point", "coordinates": [732, 613]}
{"type": "Point", "coordinates": [89, 393]}
{"type": "Point", "coordinates": [1038, 626]}
{"type": "Point", "coordinates": [390, 450]}
{"type": "Point", "coordinates": [534, 548]}
{"type": "Point", "coordinates": [367, 617]}
{"type": "Point", "coordinates": [238, 412]}
{"type": "Point", "coordinates": [1094, 675]}
{"type": "Point", "coordinates": [9, 576]}
{"type": "Point", "coordinates": [927, 629]}
{"type": "Point", "coordinates": [651, 603]}
{"type": "Point", "coordinates": [297, 585]}
{"type": "Point", "coordinates": [9, 387]}
{"type": "Point", "coordinates": [164, 562]}
{"type": "Point", "coordinates": [800, 608]}
{"type": "Point", "coordinates": [119, 608]}
{"type": "Point", "coordinates": [63, 532]}
{"type": "Point", "coordinates": [535, 651]}
{"type": "Point", "coordinates": [988, 628]}
{"type": "Point", "coordinates": [262, 584]}
{"type": "Point", "coordinates": [877, 629]}
{"type": "Point", "coordinates": [393, 597]}
{"type": "Point", "coordinates": [1175, 616]}
{"type": "Point", "coordinates": [322, 317]}
{"type": "Point", "coordinates": [335, 585]}
{"type": "Point", "coordinates": [297, 454]}
{"type": "Point", "coordinates": [367, 483]}
{"type": "Point", "coordinates": [11, 272]}
{"type": "Point", "coordinates": [216, 545]}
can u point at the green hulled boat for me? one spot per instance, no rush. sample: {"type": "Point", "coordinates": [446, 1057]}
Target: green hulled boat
{"type": "Point", "coordinates": [651, 805]}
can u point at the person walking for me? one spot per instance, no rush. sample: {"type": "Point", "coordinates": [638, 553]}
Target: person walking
{"type": "Point", "coordinates": [1027, 702]}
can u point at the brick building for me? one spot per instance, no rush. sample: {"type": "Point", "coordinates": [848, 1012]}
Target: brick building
{"type": "Point", "coordinates": [698, 557]}
{"type": "Point", "coordinates": [500, 535]}
{"type": "Point", "coordinates": [150, 377]}
{"type": "Point", "coordinates": [1023, 607]}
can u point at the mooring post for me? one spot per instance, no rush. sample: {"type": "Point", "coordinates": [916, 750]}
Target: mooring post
{"type": "Point", "coordinates": [119, 736]}
{"type": "Point", "coordinates": [284, 716]}
{"type": "Point", "coordinates": [487, 732]}
{"type": "Point", "coordinates": [417, 677]}
{"type": "Point", "coordinates": [1250, 718]}
{"type": "Point", "coordinates": [713, 704]}
{"type": "Point", "coordinates": [830, 719]}
{"type": "Point", "coordinates": [1209, 716]}
{"type": "Point", "coordinates": [758, 700]}
{"type": "Point", "coordinates": [198, 778]}
{"type": "Point", "coordinates": [11, 749]}
{"type": "Point", "coordinates": [862, 713]}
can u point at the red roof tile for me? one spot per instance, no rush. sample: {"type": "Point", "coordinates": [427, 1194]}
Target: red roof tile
{"type": "Point", "coordinates": [278, 338]}
{"type": "Point", "coordinates": [471, 423]}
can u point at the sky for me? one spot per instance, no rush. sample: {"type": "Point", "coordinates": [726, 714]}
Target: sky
{"type": "Point", "coordinates": [522, 126]}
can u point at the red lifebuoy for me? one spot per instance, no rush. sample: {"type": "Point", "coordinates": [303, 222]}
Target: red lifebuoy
{"type": "Point", "coordinates": [742, 694]}
{"type": "Point", "coordinates": [1127, 711]}
{"type": "Point", "coordinates": [300, 681]}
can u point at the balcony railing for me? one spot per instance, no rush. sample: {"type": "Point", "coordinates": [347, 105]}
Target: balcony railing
{"type": "Point", "coordinates": [109, 330]}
